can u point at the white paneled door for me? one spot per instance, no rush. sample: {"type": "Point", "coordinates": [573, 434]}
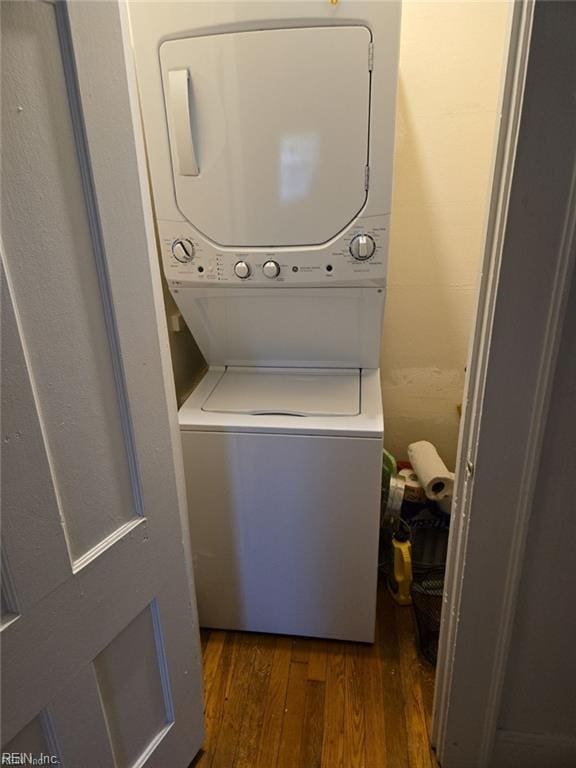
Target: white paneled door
{"type": "Point", "coordinates": [100, 645]}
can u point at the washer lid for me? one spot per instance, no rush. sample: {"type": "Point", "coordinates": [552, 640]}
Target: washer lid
{"type": "Point", "coordinates": [287, 391]}
{"type": "Point", "coordinates": [269, 132]}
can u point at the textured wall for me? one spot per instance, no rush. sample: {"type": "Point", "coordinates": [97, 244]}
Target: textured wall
{"type": "Point", "coordinates": [451, 65]}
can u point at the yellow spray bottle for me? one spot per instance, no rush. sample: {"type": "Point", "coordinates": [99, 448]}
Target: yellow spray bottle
{"type": "Point", "coordinates": [402, 577]}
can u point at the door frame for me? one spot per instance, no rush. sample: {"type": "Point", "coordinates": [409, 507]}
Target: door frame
{"type": "Point", "coordinates": [511, 364]}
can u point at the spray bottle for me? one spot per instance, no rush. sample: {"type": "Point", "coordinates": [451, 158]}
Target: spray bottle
{"type": "Point", "coordinates": [402, 577]}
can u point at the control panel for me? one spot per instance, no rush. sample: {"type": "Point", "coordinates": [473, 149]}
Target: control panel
{"type": "Point", "coordinates": [356, 256]}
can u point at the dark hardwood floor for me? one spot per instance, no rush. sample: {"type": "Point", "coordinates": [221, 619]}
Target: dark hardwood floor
{"type": "Point", "coordinates": [282, 702]}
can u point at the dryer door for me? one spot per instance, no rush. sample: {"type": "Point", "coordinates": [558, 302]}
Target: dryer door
{"type": "Point", "coordinates": [269, 132]}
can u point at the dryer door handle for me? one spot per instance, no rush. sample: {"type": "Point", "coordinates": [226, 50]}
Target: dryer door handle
{"type": "Point", "coordinates": [179, 102]}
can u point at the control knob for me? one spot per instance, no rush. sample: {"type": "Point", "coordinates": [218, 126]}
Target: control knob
{"type": "Point", "coordinates": [362, 247]}
{"type": "Point", "coordinates": [271, 269]}
{"type": "Point", "coordinates": [242, 269]}
{"type": "Point", "coordinates": [183, 250]}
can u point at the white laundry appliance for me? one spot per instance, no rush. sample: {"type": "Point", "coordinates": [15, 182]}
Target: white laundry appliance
{"type": "Point", "coordinates": [269, 130]}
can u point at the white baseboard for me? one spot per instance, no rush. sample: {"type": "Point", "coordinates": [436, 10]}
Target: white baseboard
{"type": "Point", "coordinates": [514, 749]}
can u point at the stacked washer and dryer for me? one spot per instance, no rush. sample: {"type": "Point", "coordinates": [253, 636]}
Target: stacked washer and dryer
{"type": "Point", "coordinates": [269, 130]}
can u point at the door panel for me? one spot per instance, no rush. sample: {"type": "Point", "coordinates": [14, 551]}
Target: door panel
{"type": "Point", "coordinates": [30, 510]}
{"type": "Point", "coordinates": [100, 645]}
{"type": "Point", "coordinates": [131, 674]}
{"type": "Point", "coordinates": [277, 122]}
{"type": "Point", "coordinates": [66, 340]}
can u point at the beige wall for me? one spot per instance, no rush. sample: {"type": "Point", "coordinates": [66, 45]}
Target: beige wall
{"type": "Point", "coordinates": [451, 64]}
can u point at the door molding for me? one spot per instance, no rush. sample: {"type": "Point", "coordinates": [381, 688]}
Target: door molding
{"type": "Point", "coordinates": [69, 57]}
{"type": "Point", "coordinates": [512, 361]}
{"type": "Point", "coordinates": [476, 370]}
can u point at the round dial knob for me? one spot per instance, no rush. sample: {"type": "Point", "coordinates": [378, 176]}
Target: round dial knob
{"type": "Point", "coordinates": [271, 268]}
{"type": "Point", "coordinates": [362, 247]}
{"type": "Point", "coordinates": [183, 250]}
{"type": "Point", "coordinates": [242, 269]}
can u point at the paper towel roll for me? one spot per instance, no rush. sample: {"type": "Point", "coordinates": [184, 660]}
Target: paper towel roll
{"type": "Point", "coordinates": [437, 481]}
{"type": "Point", "coordinates": [413, 491]}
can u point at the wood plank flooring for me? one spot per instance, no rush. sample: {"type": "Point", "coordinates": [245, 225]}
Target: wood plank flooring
{"type": "Point", "coordinates": [281, 702]}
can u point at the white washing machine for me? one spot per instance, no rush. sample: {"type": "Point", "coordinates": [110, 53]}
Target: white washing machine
{"type": "Point", "coordinates": [269, 130]}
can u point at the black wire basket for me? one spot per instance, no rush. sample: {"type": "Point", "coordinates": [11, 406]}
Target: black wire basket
{"type": "Point", "coordinates": [429, 539]}
{"type": "Point", "coordinates": [428, 531]}
{"type": "Point", "coordinates": [427, 593]}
